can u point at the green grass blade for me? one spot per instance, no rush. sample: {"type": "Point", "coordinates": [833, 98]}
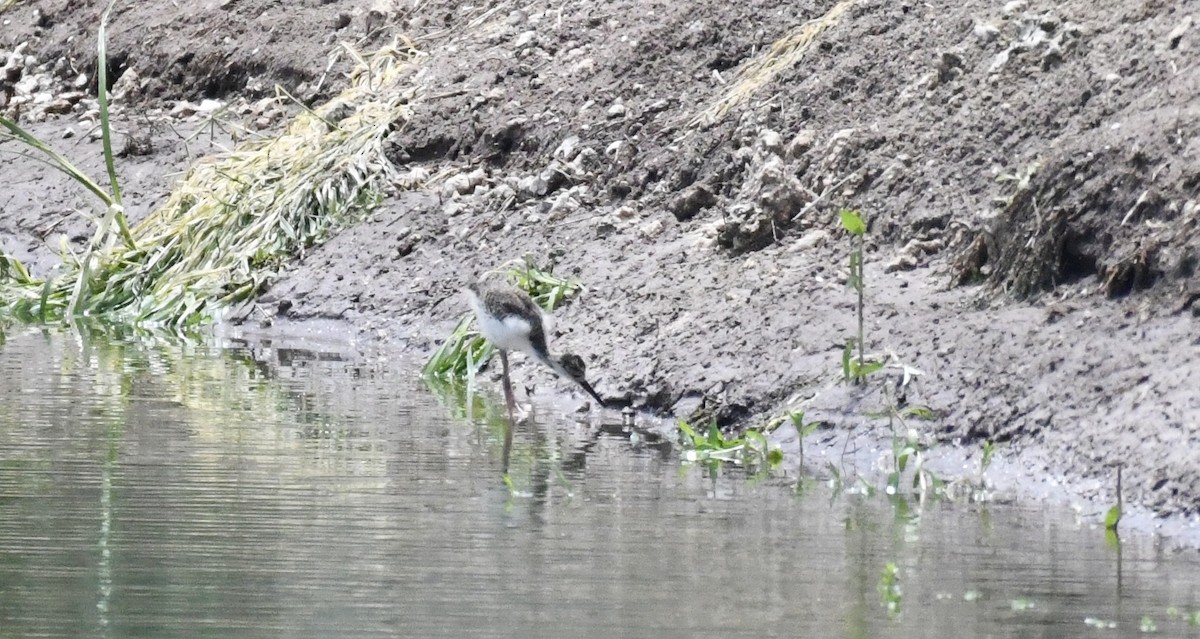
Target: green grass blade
{"type": "Point", "coordinates": [102, 95]}
{"type": "Point", "coordinates": [57, 159]}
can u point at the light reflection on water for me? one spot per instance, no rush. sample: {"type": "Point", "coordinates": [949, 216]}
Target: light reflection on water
{"type": "Point", "coordinates": [164, 491]}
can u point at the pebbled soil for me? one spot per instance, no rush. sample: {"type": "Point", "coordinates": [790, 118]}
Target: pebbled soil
{"type": "Point", "coordinates": [1029, 171]}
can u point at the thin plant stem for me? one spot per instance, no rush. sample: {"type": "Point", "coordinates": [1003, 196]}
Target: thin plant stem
{"type": "Point", "coordinates": [861, 285]}
{"type": "Point", "coordinates": [106, 126]}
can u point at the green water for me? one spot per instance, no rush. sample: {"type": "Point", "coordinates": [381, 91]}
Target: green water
{"type": "Point", "coordinates": [168, 491]}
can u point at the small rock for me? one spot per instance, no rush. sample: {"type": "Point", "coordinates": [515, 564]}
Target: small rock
{"type": "Point", "coordinates": [453, 207]}
{"type": "Point", "coordinates": [1014, 6]}
{"type": "Point", "coordinates": [532, 185]}
{"type": "Point", "coordinates": [801, 143]}
{"type": "Point", "coordinates": [462, 183]}
{"type": "Point", "coordinates": [563, 206]}
{"type": "Point", "coordinates": [517, 17]}
{"type": "Point", "coordinates": [986, 32]}
{"type": "Point", "coordinates": [924, 247]}
{"type": "Point", "coordinates": [1176, 34]}
{"type": "Point", "coordinates": [58, 106]}
{"type": "Point", "coordinates": [28, 84]}
{"type": "Point", "coordinates": [260, 107]}
{"type": "Point", "coordinates": [811, 240]}
{"type": "Point", "coordinates": [525, 39]}
{"type": "Point", "coordinates": [617, 110]}
{"type": "Point", "coordinates": [210, 106]}
{"type": "Point", "coordinates": [503, 193]}
{"type": "Point", "coordinates": [477, 177]}
{"type": "Point", "coordinates": [129, 85]}
{"type": "Point", "coordinates": [688, 405]}
{"type": "Point", "coordinates": [693, 200]}
{"type": "Point", "coordinates": [568, 149]}
{"type": "Point", "coordinates": [1052, 56]}
{"type": "Point", "coordinates": [999, 61]}
{"type": "Point", "coordinates": [657, 106]}
{"type": "Point", "coordinates": [770, 141]}
{"type": "Point", "coordinates": [183, 109]}
{"type": "Point", "coordinates": [583, 66]}
{"type": "Point", "coordinates": [80, 81]}
{"type": "Point", "coordinates": [625, 213]}
{"type": "Point", "coordinates": [652, 229]}
{"type": "Point", "coordinates": [950, 66]}
{"type": "Point", "coordinates": [902, 262]}
{"type": "Point", "coordinates": [68, 133]}
{"type": "Point", "coordinates": [553, 178]}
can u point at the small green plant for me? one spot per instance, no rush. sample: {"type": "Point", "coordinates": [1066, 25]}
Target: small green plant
{"type": "Point", "coordinates": [889, 589]}
{"type": "Point", "coordinates": [1148, 624]}
{"type": "Point", "coordinates": [803, 429]}
{"type": "Point", "coordinates": [856, 370]}
{"type": "Point", "coordinates": [711, 446]}
{"type": "Point", "coordinates": [465, 351]}
{"type": "Point", "coordinates": [989, 449]}
{"type": "Point", "coordinates": [1113, 516]}
{"type": "Point", "coordinates": [907, 450]}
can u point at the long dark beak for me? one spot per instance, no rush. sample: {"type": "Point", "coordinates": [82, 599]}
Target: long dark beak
{"type": "Point", "coordinates": [583, 383]}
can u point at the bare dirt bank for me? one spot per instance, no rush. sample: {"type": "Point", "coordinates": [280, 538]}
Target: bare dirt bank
{"type": "Point", "coordinates": [1029, 170]}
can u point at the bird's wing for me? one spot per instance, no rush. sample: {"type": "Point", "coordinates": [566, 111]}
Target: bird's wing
{"type": "Point", "coordinates": [517, 302]}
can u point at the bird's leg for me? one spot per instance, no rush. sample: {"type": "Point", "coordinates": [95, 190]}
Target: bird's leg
{"type": "Point", "coordinates": [511, 401]}
{"type": "Point", "coordinates": [509, 398]}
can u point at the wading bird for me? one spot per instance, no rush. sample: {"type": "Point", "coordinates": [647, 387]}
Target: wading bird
{"type": "Point", "coordinates": [511, 321]}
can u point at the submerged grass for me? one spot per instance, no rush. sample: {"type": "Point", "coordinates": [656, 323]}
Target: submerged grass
{"type": "Point", "coordinates": [465, 351]}
{"type": "Point", "coordinates": [235, 217]}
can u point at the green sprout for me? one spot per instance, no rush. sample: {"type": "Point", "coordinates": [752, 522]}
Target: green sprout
{"type": "Point", "coordinates": [712, 447]}
{"type": "Point", "coordinates": [857, 370]}
{"type": "Point", "coordinates": [803, 429]}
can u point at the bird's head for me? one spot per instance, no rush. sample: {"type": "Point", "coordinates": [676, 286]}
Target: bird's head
{"type": "Point", "coordinates": [572, 367]}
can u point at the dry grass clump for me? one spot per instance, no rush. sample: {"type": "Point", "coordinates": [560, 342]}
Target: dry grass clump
{"type": "Point", "coordinates": [234, 219]}
{"type": "Point", "coordinates": [783, 54]}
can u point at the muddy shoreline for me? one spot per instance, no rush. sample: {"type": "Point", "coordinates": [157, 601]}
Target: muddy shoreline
{"type": "Point", "coordinates": [1040, 149]}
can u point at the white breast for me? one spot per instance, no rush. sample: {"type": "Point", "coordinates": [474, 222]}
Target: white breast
{"type": "Point", "coordinates": [510, 333]}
